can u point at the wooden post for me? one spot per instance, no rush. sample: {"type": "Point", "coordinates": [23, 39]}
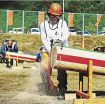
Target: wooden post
{"type": "Point", "coordinates": [90, 75]}
{"type": "Point", "coordinates": [80, 82]}
{"type": "Point", "coordinates": [17, 61]}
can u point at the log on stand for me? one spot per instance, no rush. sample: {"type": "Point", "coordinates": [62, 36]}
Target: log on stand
{"type": "Point", "coordinates": [74, 60]}
{"type": "Point", "coordinates": [77, 60]}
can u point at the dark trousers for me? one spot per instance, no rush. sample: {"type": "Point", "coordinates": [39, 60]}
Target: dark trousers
{"type": "Point", "coordinates": [2, 59]}
{"type": "Point", "coordinates": [62, 78]}
{"type": "Point", "coordinates": [9, 62]}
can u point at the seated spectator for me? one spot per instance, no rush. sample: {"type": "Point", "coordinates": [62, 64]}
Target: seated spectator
{"type": "Point", "coordinates": [11, 47]}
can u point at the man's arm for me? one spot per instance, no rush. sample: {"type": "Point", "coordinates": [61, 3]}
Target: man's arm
{"type": "Point", "coordinates": [65, 31]}
{"type": "Point", "coordinates": [3, 49]}
{"type": "Point", "coordinates": [45, 41]}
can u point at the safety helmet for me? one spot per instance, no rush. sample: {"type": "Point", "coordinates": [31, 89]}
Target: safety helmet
{"type": "Point", "coordinates": [55, 9]}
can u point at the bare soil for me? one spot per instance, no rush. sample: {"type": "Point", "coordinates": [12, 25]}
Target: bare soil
{"type": "Point", "coordinates": [25, 84]}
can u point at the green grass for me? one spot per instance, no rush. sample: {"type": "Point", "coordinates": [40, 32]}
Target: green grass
{"type": "Point", "coordinates": [26, 43]}
{"type": "Point", "coordinates": [32, 43]}
{"type": "Point", "coordinates": [73, 81]}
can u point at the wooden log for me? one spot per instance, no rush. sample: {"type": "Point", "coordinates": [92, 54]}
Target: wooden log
{"type": "Point", "coordinates": [77, 60]}
{"type": "Point", "coordinates": [78, 67]}
{"type": "Point", "coordinates": [20, 56]}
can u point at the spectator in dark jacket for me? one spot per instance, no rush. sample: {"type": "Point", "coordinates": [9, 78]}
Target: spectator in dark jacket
{"type": "Point", "coordinates": [11, 47]}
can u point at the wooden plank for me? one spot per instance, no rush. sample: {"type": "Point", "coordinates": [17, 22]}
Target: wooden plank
{"type": "Point", "coordinates": [89, 101]}
{"type": "Point", "coordinates": [80, 56]}
{"type": "Point", "coordinates": [20, 56]}
{"type": "Point", "coordinates": [82, 94]}
{"type": "Point", "coordinates": [70, 96]}
{"type": "Point", "coordinates": [77, 60]}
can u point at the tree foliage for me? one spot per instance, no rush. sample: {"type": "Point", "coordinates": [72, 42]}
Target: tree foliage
{"type": "Point", "coordinates": [80, 6]}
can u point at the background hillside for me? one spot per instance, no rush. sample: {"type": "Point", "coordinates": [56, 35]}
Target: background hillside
{"type": "Point", "coordinates": [32, 43]}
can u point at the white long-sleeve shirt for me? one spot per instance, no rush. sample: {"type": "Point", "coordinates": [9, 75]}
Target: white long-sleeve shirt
{"type": "Point", "coordinates": [57, 31]}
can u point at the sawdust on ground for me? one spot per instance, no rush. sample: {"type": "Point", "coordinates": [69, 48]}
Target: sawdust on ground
{"type": "Point", "coordinates": [35, 90]}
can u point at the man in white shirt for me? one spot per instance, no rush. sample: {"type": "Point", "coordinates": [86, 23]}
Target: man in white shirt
{"type": "Point", "coordinates": [56, 29]}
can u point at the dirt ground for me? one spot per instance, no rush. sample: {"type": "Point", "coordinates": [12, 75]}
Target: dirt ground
{"type": "Point", "coordinates": [25, 84]}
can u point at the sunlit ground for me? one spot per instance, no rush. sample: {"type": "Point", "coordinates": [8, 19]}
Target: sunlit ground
{"type": "Point", "coordinates": [12, 81]}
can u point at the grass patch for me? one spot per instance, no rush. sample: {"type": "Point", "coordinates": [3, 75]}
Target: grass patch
{"type": "Point", "coordinates": [73, 81]}
{"type": "Point", "coordinates": [12, 81]}
{"type": "Point", "coordinates": [32, 43]}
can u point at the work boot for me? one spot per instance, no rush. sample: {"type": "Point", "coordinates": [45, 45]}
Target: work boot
{"type": "Point", "coordinates": [7, 65]}
{"type": "Point", "coordinates": [61, 97]}
{"type": "Point", "coordinates": [61, 94]}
